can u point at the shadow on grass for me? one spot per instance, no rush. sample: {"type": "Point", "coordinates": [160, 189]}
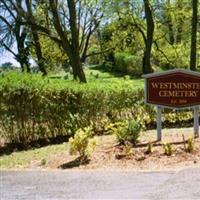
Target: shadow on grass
{"type": "Point", "coordinates": [17, 147]}
{"type": "Point", "coordinates": [112, 72]}
{"type": "Point", "coordinates": [74, 163]}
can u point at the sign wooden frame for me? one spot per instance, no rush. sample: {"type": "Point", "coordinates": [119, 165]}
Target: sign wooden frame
{"type": "Point", "coordinates": [186, 77]}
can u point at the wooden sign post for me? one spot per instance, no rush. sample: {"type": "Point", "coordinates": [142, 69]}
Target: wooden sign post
{"type": "Point", "coordinates": [176, 89]}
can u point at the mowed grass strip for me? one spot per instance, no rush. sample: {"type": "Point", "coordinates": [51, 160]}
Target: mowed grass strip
{"type": "Point", "coordinates": [31, 158]}
{"type": "Point", "coordinates": [96, 80]}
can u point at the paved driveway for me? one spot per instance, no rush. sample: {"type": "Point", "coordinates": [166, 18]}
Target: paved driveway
{"type": "Point", "coordinates": [60, 185]}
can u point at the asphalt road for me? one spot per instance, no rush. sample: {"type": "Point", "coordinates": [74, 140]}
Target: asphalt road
{"type": "Point", "coordinates": [64, 185]}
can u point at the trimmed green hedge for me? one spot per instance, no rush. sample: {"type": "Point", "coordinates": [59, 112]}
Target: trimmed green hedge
{"type": "Point", "coordinates": [33, 108]}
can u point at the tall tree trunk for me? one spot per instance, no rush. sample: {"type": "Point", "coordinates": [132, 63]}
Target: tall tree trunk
{"type": "Point", "coordinates": [179, 22]}
{"type": "Point", "coordinates": [38, 51]}
{"type": "Point", "coordinates": [20, 35]}
{"type": "Point", "coordinates": [193, 55]}
{"type": "Point", "coordinates": [70, 45]}
{"type": "Point", "coordinates": [149, 41]}
{"type": "Point", "coordinates": [169, 22]}
{"type": "Point", "coordinates": [76, 60]}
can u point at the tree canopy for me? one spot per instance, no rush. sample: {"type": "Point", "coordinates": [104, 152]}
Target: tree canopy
{"type": "Point", "coordinates": [129, 36]}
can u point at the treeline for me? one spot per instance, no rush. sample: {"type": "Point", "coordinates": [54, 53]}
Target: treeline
{"type": "Point", "coordinates": [130, 36]}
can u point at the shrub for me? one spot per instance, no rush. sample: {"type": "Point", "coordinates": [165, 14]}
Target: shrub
{"type": "Point", "coordinates": [127, 150]}
{"type": "Point", "coordinates": [149, 148]}
{"type": "Point", "coordinates": [121, 135]}
{"type": "Point", "coordinates": [129, 64]}
{"type": "Point", "coordinates": [35, 109]}
{"type": "Point", "coordinates": [134, 131]}
{"type": "Point", "coordinates": [168, 149]}
{"type": "Point", "coordinates": [128, 132]}
{"type": "Point", "coordinates": [82, 143]}
{"type": "Point", "coordinates": [190, 145]}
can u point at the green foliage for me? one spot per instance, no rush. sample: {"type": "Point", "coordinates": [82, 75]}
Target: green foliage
{"type": "Point", "coordinates": [149, 148]}
{"type": "Point", "coordinates": [82, 143]}
{"type": "Point", "coordinates": [190, 145]}
{"type": "Point", "coordinates": [176, 56]}
{"type": "Point", "coordinates": [134, 131]}
{"type": "Point", "coordinates": [34, 108]}
{"type": "Point", "coordinates": [56, 59]}
{"type": "Point", "coordinates": [127, 150]}
{"type": "Point", "coordinates": [168, 149]}
{"type": "Point", "coordinates": [128, 64]}
{"type": "Point", "coordinates": [128, 132]}
{"type": "Point", "coordinates": [121, 135]}
{"type": "Point", "coordinates": [43, 162]}
{"type": "Point", "coordinates": [7, 66]}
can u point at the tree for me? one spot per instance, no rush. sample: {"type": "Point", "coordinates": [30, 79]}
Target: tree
{"type": "Point", "coordinates": [193, 55]}
{"type": "Point", "coordinates": [6, 66]}
{"type": "Point", "coordinates": [179, 21]}
{"type": "Point", "coordinates": [36, 40]}
{"type": "Point", "coordinates": [71, 25]}
{"type": "Point", "coordinates": [149, 40]}
{"type": "Point", "coordinates": [13, 29]}
{"type": "Point", "coordinates": [169, 22]}
{"type": "Point", "coordinates": [72, 47]}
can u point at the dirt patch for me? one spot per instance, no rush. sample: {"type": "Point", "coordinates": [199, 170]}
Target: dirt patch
{"type": "Point", "coordinates": [106, 155]}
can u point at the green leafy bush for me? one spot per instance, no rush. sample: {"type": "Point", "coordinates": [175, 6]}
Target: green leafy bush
{"type": "Point", "coordinates": [168, 149]}
{"type": "Point", "coordinates": [33, 108]}
{"type": "Point", "coordinates": [82, 143]}
{"type": "Point", "coordinates": [128, 132]}
{"type": "Point", "coordinates": [149, 148]}
{"type": "Point", "coordinates": [134, 131]}
{"type": "Point", "coordinates": [190, 145]}
{"type": "Point", "coordinates": [121, 135]}
{"type": "Point", "coordinates": [129, 64]}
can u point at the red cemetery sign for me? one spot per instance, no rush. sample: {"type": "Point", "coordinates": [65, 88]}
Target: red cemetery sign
{"type": "Point", "coordinates": [174, 88]}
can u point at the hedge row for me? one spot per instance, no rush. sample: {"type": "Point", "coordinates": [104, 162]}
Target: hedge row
{"type": "Point", "coordinates": [33, 109]}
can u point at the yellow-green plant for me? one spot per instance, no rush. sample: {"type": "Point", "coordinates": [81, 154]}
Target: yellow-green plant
{"type": "Point", "coordinates": [82, 143]}
{"type": "Point", "coordinates": [190, 145]}
{"type": "Point", "coordinates": [134, 131]}
{"type": "Point", "coordinates": [128, 132]}
{"type": "Point", "coordinates": [149, 148]}
{"type": "Point", "coordinates": [168, 149]}
{"type": "Point", "coordinates": [127, 150]}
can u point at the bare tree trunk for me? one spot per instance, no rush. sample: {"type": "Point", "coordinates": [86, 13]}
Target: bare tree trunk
{"type": "Point", "coordinates": [180, 23]}
{"type": "Point", "coordinates": [20, 35]}
{"type": "Point", "coordinates": [36, 40]}
{"type": "Point", "coordinates": [149, 41]}
{"type": "Point", "coordinates": [70, 47]}
{"type": "Point", "coordinates": [193, 55]}
{"type": "Point", "coordinates": [38, 50]}
{"type": "Point", "coordinates": [170, 23]}
{"type": "Point", "coordinates": [76, 60]}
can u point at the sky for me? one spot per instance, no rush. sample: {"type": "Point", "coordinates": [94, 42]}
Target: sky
{"type": "Point", "coordinates": [6, 56]}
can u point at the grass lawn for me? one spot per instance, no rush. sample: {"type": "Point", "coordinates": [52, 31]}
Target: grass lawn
{"type": "Point", "coordinates": [35, 157]}
{"type": "Point", "coordinates": [102, 79]}
{"type": "Point", "coordinates": [96, 79]}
